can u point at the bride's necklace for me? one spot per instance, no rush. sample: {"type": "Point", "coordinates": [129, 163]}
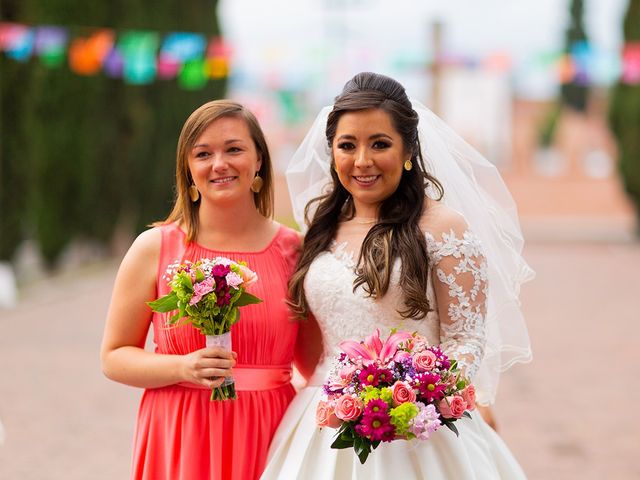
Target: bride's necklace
{"type": "Point", "coordinates": [364, 220]}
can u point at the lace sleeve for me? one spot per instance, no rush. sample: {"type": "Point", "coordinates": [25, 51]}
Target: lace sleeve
{"type": "Point", "coordinates": [460, 286]}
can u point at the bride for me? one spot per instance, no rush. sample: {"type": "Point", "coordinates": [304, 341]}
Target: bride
{"type": "Point", "coordinates": [410, 229]}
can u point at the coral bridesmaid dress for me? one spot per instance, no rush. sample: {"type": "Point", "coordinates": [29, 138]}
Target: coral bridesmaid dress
{"type": "Point", "coordinates": [180, 433]}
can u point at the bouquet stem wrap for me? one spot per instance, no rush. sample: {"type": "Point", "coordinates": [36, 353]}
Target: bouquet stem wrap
{"type": "Point", "coordinates": [226, 391]}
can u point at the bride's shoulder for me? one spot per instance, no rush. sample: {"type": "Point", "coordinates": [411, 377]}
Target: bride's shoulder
{"type": "Point", "coordinates": [438, 218]}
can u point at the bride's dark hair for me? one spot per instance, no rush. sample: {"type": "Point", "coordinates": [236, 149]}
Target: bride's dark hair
{"type": "Point", "coordinates": [397, 233]}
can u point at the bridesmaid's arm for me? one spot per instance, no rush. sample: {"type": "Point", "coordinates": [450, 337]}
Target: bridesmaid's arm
{"type": "Point", "coordinates": [308, 349]}
{"type": "Point", "coordinates": [122, 353]}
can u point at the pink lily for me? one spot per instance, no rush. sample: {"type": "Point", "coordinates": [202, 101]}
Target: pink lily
{"type": "Point", "coordinates": [372, 349]}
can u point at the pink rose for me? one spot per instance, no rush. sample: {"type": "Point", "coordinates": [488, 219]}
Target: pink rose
{"type": "Point", "coordinates": [349, 407]}
{"type": "Point", "coordinates": [249, 277]}
{"type": "Point", "coordinates": [325, 415]}
{"type": "Point", "coordinates": [402, 392]}
{"type": "Point", "coordinates": [452, 407]}
{"type": "Point", "coordinates": [469, 396]}
{"type": "Point", "coordinates": [425, 361]}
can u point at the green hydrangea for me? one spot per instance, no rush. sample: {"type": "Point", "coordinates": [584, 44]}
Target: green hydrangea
{"type": "Point", "coordinates": [401, 416]}
{"type": "Point", "coordinates": [375, 393]}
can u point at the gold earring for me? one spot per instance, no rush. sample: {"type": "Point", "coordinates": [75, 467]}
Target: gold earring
{"type": "Point", "coordinates": [194, 194]}
{"type": "Point", "coordinates": [408, 165]}
{"type": "Point", "coordinates": [256, 184]}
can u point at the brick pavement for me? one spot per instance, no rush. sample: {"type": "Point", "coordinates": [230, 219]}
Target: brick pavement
{"type": "Point", "coordinates": [63, 420]}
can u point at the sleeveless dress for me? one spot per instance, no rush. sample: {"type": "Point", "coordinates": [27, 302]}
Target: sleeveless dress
{"type": "Point", "coordinates": [181, 434]}
{"type": "Point", "coordinates": [301, 450]}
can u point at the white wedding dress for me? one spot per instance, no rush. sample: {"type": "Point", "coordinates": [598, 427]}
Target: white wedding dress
{"type": "Point", "coordinates": [457, 294]}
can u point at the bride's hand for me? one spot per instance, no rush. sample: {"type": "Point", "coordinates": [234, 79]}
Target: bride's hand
{"type": "Point", "coordinates": [208, 366]}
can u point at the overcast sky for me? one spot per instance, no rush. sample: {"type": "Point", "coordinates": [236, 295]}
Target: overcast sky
{"type": "Point", "coordinates": [289, 36]}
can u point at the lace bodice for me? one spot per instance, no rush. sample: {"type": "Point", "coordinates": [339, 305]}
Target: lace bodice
{"type": "Point", "coordinates": [457, 292]}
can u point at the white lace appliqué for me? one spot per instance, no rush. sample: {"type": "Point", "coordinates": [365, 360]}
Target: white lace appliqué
{"type": "Point", "coordinates": [461, 270]}
{"type": "Point", "coordinates": [458, 289]}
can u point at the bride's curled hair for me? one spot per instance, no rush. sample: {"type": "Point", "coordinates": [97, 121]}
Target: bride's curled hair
{"type": "Point", "coordinates": [397, 234]}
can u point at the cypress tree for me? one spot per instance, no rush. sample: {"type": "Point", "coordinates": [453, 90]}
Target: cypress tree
{"type": "Point", "coordinates": [13, 188]}
{"type": "Point", "coordinates": [79, 152]}
{"type": "Point", "coordinates": [624, 116]}
{"type": "Point", "coordinates": [574, 93]}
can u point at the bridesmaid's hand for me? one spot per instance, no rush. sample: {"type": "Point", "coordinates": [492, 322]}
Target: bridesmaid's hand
{"type": "Point", "coordinates": [208, 366]}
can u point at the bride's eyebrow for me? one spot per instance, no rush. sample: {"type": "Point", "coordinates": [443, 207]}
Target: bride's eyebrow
{"type": "Point", "coordinates": [346, 136]}
{"type": "Point", "coordinates": [376, 136]}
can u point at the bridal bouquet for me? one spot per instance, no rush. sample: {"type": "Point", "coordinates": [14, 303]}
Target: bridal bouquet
{"type": "Point", "coordinates": [397, 390]}
{"type": "Point", "coordinates": [208, 294]}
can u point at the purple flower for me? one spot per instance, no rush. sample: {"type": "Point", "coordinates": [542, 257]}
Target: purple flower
{"type": "Point", "coordinates": [442, 360]}
{"type": "Point", "coordinates": [426, 422]}
{"type": "Point", "coordinates": [429, 386]}
{"type": "Point", "coordinates": [220, 270]}
{"type": "Point", "coordinates": [404, 369]}
{"type": "Point", "coordinates": [375, 423]}
{"type": "Point", "coordinates": [224, 298]}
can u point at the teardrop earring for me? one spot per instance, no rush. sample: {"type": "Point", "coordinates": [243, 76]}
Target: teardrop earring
{"type": "Point", "coordinates": [194, 194]}
{"type": "Point", "coordinates": [408, 165]}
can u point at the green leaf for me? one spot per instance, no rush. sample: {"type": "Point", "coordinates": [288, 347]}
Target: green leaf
{"type": "Point", "coordinates": [199, 275]}
{"type": "Point", "coordinates": [466, 414]}
{"type": "Point", "coordinates": [235, 317]}
{"type": "Point", "coordinates": [340, 443]}
{"type": "Point", "coordinates": [343, 439]}
{"type": "Point", "coordinates": [453, 428]}
{"type": "Point", "coordinates": [247, 299]}
{"type": "Point", "coordinates": [165, 304]}
{"type": "Point", "coordinates": [363, 454]}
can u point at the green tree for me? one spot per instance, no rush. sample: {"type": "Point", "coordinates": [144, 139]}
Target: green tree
{"type": "Point", "coordinates": [13, 150]}
{"type": "Point", "coordinates": [624, 116]}
{"type": "Point", "coordinates": [575, 93]}
{"type": "Point", "coordinates": [80, 153]}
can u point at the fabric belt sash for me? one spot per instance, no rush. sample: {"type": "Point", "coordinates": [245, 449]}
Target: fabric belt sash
{"type": "Point", "coordinates": [255, 377]}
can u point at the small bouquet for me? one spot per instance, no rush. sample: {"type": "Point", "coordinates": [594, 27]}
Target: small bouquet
{"type": "Point", "coordinates": [401, 389]}
{"type": "Point", "coordinates": [208, 294]}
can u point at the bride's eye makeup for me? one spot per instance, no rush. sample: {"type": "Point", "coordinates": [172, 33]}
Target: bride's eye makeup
{"type": "Point", "coordinates": [345, 146]}
{"type": "Point", "coordinates": [381, 145]}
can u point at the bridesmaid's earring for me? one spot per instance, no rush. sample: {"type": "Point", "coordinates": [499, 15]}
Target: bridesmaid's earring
{"type": "Point", "coordinates": [408, 165]}
{"type": "Point", "coordinates": [194, 194]}
{"type": "Point", "coordinates": [256, 184]}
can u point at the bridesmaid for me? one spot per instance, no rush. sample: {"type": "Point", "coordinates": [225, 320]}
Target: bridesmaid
{"type": "Point", "coordinates": [223, 207]}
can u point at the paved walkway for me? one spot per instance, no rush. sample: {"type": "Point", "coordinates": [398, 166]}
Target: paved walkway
{"type": "Point", "coordinates": [571, 414]}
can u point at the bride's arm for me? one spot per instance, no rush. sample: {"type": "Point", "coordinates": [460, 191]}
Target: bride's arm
{"type": "Point", "coordinates": [459, 273]}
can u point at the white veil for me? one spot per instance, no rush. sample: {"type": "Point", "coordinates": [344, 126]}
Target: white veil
{"type": "Point", "coordinates": [473, 187]}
